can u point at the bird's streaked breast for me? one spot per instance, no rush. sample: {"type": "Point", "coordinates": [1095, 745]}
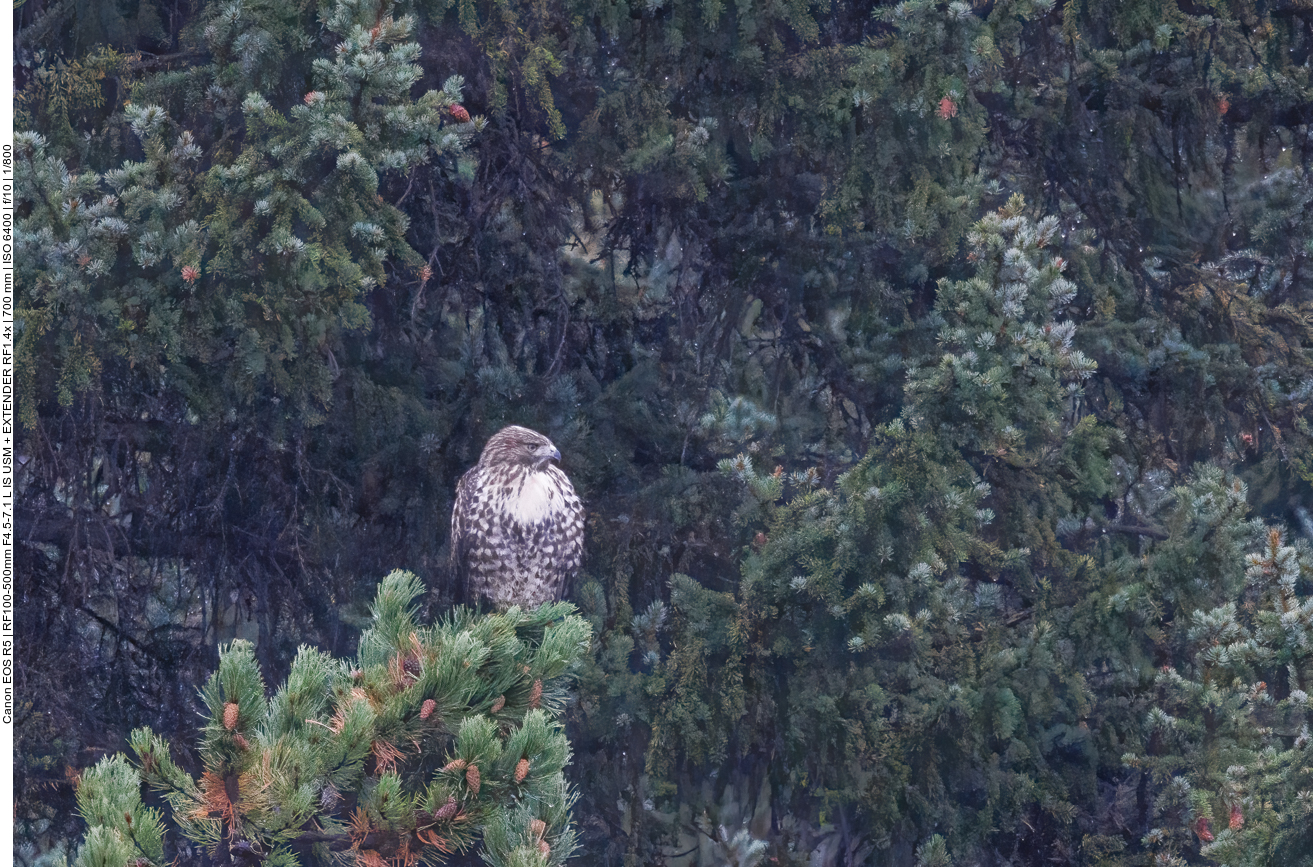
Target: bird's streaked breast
{"type": "Point", "coordinates": [534, 499]}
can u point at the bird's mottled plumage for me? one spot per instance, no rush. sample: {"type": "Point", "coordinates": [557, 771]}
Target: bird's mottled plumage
{"type": "Point", "coordinates": [517, 530]}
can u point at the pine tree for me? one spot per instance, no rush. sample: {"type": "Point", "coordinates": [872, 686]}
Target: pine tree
{"type": "Point", "coordinates": [890, 645]}
{"type": "Point", "coordinates": [251, 261]}
{"type": "Point", "coordinates": [432, 739]}
{"type": "Point", "coordinates": [1226, 739]}
{"type": "Point", "coordinates": [1006, 391]}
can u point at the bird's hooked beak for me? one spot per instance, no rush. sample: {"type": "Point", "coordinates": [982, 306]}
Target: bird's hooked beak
{"type": "Point", "coordinates": [545, 455]}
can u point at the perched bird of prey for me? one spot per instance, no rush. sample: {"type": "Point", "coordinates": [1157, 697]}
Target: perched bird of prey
{"type": "Point", "coordinates": [517, 529]}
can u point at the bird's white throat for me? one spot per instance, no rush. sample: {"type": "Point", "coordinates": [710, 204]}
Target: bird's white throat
{"type": "Point", "coordinates": [535, 499]}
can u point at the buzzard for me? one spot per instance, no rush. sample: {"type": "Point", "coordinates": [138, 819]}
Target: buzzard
{"type": "Point", "coordinates": [517, 529]}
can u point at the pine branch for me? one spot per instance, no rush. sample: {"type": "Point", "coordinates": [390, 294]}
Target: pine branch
{"type": "Point", "coordinates": [1137, 530]}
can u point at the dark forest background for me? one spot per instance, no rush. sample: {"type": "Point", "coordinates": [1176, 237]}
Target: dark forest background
{"type": "Point", "coordinates": [938, 378]}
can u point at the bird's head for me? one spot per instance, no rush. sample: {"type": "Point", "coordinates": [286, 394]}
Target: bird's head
{"type": "Point", "coordinates": [519, 445]}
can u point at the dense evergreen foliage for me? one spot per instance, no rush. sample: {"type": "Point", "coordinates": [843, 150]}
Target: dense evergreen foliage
{"type": "Point", "coordinates": [437, 738]}
{"type": "Point", "coordinates": [938, 378]}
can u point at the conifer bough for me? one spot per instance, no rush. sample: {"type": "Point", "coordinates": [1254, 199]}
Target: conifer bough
{"type": "Point", "coordinates": [384, 758]}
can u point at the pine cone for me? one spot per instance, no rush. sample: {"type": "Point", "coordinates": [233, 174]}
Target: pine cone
{"type": "Point", "coordinates": [537, 827]}
{"type": "Point", "coordinates": [544, 848]}
{"type": "Point", "coordinates": [536, 694]}
{"type": "Point", "coordinates": [1202, 829]}
{"type": "Point", "coordinates": [427, 708]}
{"type": "Point", "coordinates": [521, 770]}
{"type": "Point", "coordinates": [472, 779]}
{"type": "Point", "coordinates": [241, 742]}
{"type": "Point", "coordinates": [455, 765]}
{"type": "Point", "coordinates": [498, 704]}
{"type": "Point", "coordinates": [230, 715]}
{"type": "Point", "coordinates": [447, 810]}
{"type": "Point", "coordinates": [458, 113]}
{"type": "Point", "coordinates": [1237, 818]}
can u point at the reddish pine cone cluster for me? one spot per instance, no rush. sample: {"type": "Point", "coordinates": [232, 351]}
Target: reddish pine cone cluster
{"type": "Point", "coordinates": [458, 113]}
{"type": "Point", "coordinates": [537, 828]}
{"type": "Point", "coordinates": [521, 770]}
{"type": "Point", "coordinates": [427, 708]}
